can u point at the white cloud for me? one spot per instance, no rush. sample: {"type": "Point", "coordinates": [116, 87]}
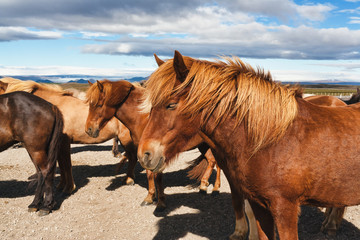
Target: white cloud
{"type": "Point", "coordinates": [354, 20]}
{"type": "Point", "coordinates": [19, 33]}
{"type": "Point", "coordinates": [314, 12]}
{"type": "Point", "coordinates": [93, 34]}
{"type": "Point", "coordinates": [246, 40]}
{"type": "Point", "coordinates": [252, 28]}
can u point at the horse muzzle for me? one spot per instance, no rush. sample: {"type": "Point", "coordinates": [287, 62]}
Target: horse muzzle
{"type": "Point", "coordinates": [152, 157]}
{"type": "Point", "coordinates": [92, 132]}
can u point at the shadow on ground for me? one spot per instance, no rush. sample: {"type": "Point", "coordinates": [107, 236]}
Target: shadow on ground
{"type": "Point", "coordinates": [213, 216]}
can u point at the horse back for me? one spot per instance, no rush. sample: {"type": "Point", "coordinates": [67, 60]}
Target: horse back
{"type": "Point", "coordinates": [319, 155]}
{"type": "Point", "coordinates": [25, 116]}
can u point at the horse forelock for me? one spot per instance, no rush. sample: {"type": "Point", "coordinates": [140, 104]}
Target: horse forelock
{"type": "Point", "coordinates": [93, 94]}
{"type": "Point", "coordinates": [112, 94]}
{"type": "Point", "coordinates": [230, 88]}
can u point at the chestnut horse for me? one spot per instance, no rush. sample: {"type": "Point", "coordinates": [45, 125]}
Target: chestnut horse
{"type": "Point", "coordinates": [123, 100]}
{"type": "Point", "coordinates": [275, 148]}
{"type": "Point", "coordinates": [38, 125]}
{"type": "Point", "coordinates": [75, 111]}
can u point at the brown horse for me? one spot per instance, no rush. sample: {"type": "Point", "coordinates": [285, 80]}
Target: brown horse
{"type": "Point", "coordinates": [75, 111]}
{"type": "Point", "coordinates": [275, 148]}
{"type": "Point", "coordinates": [202, 167]}
{"type": "Point", "coordinates": [38, 125]}
{"type": "Point", "coordinates": [123, 100]}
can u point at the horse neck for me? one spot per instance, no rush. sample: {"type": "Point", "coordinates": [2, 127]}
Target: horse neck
{"type": "Point", "coordinates": [224, 137]}
{"type": "Point", "coordinates": [129, 113]}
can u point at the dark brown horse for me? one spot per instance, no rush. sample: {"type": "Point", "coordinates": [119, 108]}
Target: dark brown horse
{"type": "Point", "coordinates": [38, 125]}
{"type": "Point", "coordinates": [275, 148]}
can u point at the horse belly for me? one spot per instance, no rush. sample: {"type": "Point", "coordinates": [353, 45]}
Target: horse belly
{"type": "Point", "coordinates": [333, 170]}
{"type": "Point", "coordinates": [322, 171]}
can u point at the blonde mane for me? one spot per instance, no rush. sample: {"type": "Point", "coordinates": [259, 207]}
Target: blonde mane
{"type": "Point", "coordinates": [230, 88]}
{"type": "Point", "coordinates": [31, 86]}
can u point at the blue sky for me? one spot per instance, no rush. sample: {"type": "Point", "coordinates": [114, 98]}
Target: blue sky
{"type": "Point", "coordinates": [295, 40]}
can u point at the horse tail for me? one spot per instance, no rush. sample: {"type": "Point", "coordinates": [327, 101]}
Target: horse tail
{"type": "Point", "coordinates": [197, 168]}
{"type": "Point", "coordinates": [55, 140]}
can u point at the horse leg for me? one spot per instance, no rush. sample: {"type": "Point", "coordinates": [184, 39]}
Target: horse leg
{"type": "Point", "coordinates": [205, 179]}
{"type": "Point", "coordinates": [122, 160]}
{"type": "Point", "coordinates": [115, 147]}
{"type": "Point", "coordinates": [130, 176]}
{"type": "Point", "coordinates": [151, 192]}
{"type": "Point", "coordinates": [285, 214]}
{"type": "Point", "coordinates": [217, 183]}
{"type": "Point", "coordinates": [44, 184]}
{"type": "Point", "coordinates": [48, 173]}
{"type": "Point", "coordinates": [264, 221]}
{"type": "Point", "coordinates": [66, 184]}
{"type": "Point", "coordinates": [333, 218]}
{"type": "Point", "coordinates": [161, 205]}
{"type": "Point", "coordinates": [241, 226]}
{"type": "Point", "coordinates": [38, 198]}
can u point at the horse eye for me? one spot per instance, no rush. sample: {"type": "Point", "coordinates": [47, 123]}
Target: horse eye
{"type": "Point", "coordinates": [171, 106]}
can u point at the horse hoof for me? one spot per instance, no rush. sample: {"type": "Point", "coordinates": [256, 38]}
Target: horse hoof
{"type": "Point", "coordinates": [32, 209]}
{"type": "Point", "coordinates": [33, 177]}
{"type": "Point", "coordinates": [145, 203]}
{"type": "Point", "coordinates": [238, 236]}
{"type": "Point", "coordinates": [204, 192]}
{"type": "Point", "coordinates": [215, 193]}
{"type": "Point", "coordinates": [43, 212]}
{"type": "Point", "coordinates": [329, 232]}
{"type": "Point", "coordinates": [129, 182]}
{"type": "Point", "coordinates": [69, 190]}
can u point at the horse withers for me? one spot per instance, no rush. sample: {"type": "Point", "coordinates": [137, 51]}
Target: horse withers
{"type": "Point", "coordinates": [38, 125]}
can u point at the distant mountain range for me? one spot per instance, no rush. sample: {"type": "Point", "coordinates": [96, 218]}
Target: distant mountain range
{"type": "Point", "coordinates": [73, 78]}
{"type": "Point", "coordinates": [324, 82]}
{"type": "Point", "coordinates": [85, 78]}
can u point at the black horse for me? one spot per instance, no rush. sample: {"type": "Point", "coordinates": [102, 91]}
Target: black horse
{"type": "Point", "coordinates": [38, 125]}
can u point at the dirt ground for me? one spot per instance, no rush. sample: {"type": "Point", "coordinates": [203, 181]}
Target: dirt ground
{"type": "Point", "coordinates": [104, 208]}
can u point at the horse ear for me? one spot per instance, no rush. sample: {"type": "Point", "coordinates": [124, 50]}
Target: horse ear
{"type": "Point", "coordinates": [90, 83]}
{"type": "Point", "coordinates": [100, 86]}
{"type": "Point", "coordinates": [180, 67]}
{"type": "Point", "coordinates": [158, 60]}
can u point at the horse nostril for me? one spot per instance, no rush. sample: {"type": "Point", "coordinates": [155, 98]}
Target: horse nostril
{"type": "Point", "coordinates": [147, 156]}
